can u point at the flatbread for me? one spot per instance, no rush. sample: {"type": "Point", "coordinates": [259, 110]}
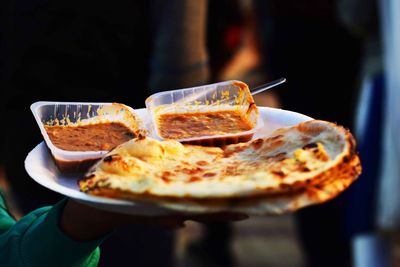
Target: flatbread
{"type": "Point", "coordinates": [296, 166]}
{"type": "Point", "coordinates": [272, 204]}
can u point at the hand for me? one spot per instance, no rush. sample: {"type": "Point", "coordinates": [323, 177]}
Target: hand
{"type": "Point", "coordinates": [82, 222]}
{"type": "Point", "coordinates": [218, 217]}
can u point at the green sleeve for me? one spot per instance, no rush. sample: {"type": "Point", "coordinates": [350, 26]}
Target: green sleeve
{"type": "Point", "coordinates": [6, 220]}
{"type": "Point", "coordinates": [36, 240]}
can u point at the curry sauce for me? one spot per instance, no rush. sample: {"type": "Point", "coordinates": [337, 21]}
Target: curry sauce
{"type": "Point", "coordinates": [189, 125]}
{"type": "Point", "coordinates": [91, 137]}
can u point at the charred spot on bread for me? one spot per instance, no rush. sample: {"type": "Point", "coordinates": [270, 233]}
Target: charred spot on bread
{"type": "Point", "coordinates": [194, 179]}
{"type": "Point", "coordinates": [310, 146]}
{"type": "Point", "coordinates": [279, 173]}
{"type": "Point", "coordinates": [209, 174]}
{"type": "Point", "coordinates": [108, 158]}
{"type": "Point", "coordinates": [165, 176]}
{"type": "Point", "coordinates": [202, 163]}
{"type": "Point", "coordinates": [257, 144]}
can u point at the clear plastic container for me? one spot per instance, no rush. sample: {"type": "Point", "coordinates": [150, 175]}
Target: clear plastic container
{"type": "Point", "coordinates": [223, 96]}
{"type": "Point", "coordinates": [77, 113]}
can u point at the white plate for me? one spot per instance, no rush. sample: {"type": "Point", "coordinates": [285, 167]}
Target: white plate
{"type": "Point", "coordinates": [40, 166]}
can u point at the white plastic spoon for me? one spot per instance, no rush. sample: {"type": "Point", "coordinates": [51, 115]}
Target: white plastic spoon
{"type": "Point", "coordinates": [267, 86]}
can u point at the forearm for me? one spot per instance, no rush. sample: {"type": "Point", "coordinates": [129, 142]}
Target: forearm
{"type": "Point", "coordinates": [37, 240]}
{"type": "Point", "coordinates": [6, 220]}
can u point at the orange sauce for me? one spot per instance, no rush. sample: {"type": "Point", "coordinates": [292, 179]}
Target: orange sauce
{"type": "Point", "coordinates": [188, 125]}
{"type": "Point", "coordinates": [91, 137]}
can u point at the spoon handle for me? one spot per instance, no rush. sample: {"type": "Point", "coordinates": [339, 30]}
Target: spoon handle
{"type": "Point", "coordinates": [267, 86]}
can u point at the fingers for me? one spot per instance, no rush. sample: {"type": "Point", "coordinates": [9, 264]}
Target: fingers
{"type": "Point", "coordinates": [176, 221]}
{"type": "Point", "coordinates": [171, 224]}
{"type": "Point", "coordinates": [171, 221]}
{"type": "Point", "coordinates": [166, 222]}
{"type": "Point", "coordinates": [219, 217]}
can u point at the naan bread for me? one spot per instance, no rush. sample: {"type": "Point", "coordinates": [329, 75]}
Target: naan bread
{"type": "Point", "coordinates": [272, 204]}
{"type": "Point", "coordinates": [294, 167]}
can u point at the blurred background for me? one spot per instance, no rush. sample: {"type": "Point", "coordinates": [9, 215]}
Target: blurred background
{"type": "Point", "coordinates": [341, 61]}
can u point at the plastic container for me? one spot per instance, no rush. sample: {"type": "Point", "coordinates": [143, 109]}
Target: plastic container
{"type": "Point", "coordinates": [223, 96]}
{"type": "Point", "coordinates": [76, 113]}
